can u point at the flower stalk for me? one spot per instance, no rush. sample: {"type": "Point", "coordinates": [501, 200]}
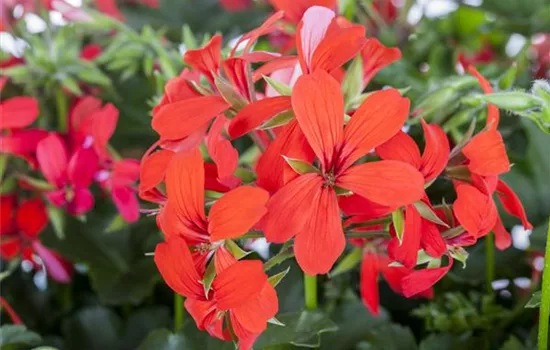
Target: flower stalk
{"type": "Point", "coordinates": [489, 261]}
{"type": "Point", "coordinates": [544, 311]}
{"type": "Point", "coordinates": [62, 107]}
{"type": "Point", "coordinates": [178, 312]}
{"type": "Point", "coordinates": [310, 292]}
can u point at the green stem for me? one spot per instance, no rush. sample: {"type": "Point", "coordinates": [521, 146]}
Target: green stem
{"type": "Point", "coordinates": [178, 312]}
{"type": "Point", "coordinates": [310, 291]}
{"type": "Point", "coordinates": [62, 107]}
{"type": "Point", "coordinates": [544, 311]}
{"type": "Point", "coordinates": [3, 164]}
{"type": "Point", "coordinates": [489, 261]}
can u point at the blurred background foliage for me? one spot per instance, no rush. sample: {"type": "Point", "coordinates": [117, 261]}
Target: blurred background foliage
{"type": "Point", "coordinates": [116, 301]}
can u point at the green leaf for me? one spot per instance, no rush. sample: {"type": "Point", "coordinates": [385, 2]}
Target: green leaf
{"type": "Point", "coordinates": [189, 338]}
{"type": "Point", "coordinates": [301, 329]}
{"type": "Point", "coordinates": [92, 328]}
{"type": "Point", "coordinates": [398, 220]}
{"type": "Point", "coordinates": [390, 337]}
{"type": "Point", "coordinates": [229, 94]}
{"type": "Point", "coordinates": [209, 275]}
{"type": "Point", "coordinates": [350, 261]}
{"type": "Point", "coordinates": [459, 254]}
{"type": "Point", "coordinates": [284, 253]}
{"type": "Point", "coordinates": [235, 250]}
{"type": "Point", "coordinates": [71, 84]}
{"type": "Point", "coordinates": [513, 101]}
{"type": "Point", "coordinates": [57, 218]}
{"type": "Point", "coordinates": [513, 343]}
{"type": "Point", "coordinates": [299, 166]}
{"type": "Point", "coordinates": [280, 119]}
{"type": "Point", "coordinates": [353, 322]}
{"type": "Point", "coordinates": [36, 183]}
{"type": "Point", "coordinates": [507, 79]}
{"type": "Point", "coordinates": [535, 300]}
{"type": "Point", "coordinates": [427, 213]}
{"type": "Point", "coordinates": [277, 278]}
{"type": "Point", "coordinates": [116, 224]}
{"type": "Point", "coordinates": [12, 266]}
{"type": "Point", "coordinates": [352, 84]}
{"type": "Point", "coordinates": [17, 334]}
{"type": "Point", "coordinates": [281, 88]}
{"type": "Point", "coordinates": [141, 323]}
{"type": "Point", "coordinates": [189, 39]}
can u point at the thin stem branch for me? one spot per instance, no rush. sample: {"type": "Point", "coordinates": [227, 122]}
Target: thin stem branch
{"type": "Point", "coordinates": [62, 108]}
{"type": "Point", "coordinates": [544, 311]}
{"type": "Point", "coordinates": [178, 312]}
{"type": "Point", "coordinates": [489, 261]}
{"type": "Point", "coordinates": [310, 292]}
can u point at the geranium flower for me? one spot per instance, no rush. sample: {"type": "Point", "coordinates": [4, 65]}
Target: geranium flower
{"type": "Point", "coordinates": [307, 206]}
{"type": "Point", "coordinates": [69, 176]}
{"type": "Point", "coordinates": [20, 225]}
{"type": "Point", "coordinates": [240, 292]}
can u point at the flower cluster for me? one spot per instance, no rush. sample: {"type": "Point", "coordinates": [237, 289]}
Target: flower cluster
{"type": "Point", "coordinates": [333, 168]}
{"type": "Point", "coordinates": [69, 160]}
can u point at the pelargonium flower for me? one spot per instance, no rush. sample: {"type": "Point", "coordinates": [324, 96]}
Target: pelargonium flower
{"type": "Point", "coordinates": [307, 206]}
{"type": "Point", "coordinates": [20, 225]}
{"type": "Point", "coordinates": [70, 177]}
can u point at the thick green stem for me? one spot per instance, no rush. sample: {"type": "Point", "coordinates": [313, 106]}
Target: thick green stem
{"type": "Point", "coordinates": [178, 312]}
{"type": "Point", "coordinates": [310, 291]}
{"type": "Point", "coordinates": [62, 108]}
{"type": "Point", "coordinates": [489, 262]}
{"type": "Point", "coordinates": [544, 311]}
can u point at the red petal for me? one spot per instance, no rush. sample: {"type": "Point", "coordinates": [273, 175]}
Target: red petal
{"type": "Point", "coordinates": [18, 112]}
{"type": "Point", "coordinates": [432, 241]}
{"type": "Point", "coordinates": [10, 247]}
{"type": "Point", "coordinates": [253, 314]}
{"type": "Point", "coordinates": [82, 202]}
{"type": "Point", "coordinates": [201, 311]}
{"type": "Point", "coordinates": [290, 208]}
{"type": "Point", "coordinates": [52, 158]}
{"type": "Point", "coordinates": [475, 211]}
{"type": "Point", "coordinates": [493, 117]}
{"type": "Point", "coordinates": [221, 151]}
{"type": "Point", "coordinates": [272, 168]}
{"type": "Point", "coordinates": [180, 119]}
{"type": "Point", "coordinates": [378, 118]}
{"type": "Point", "coordinates": [512, 204]}
{"type": "Point", "coordinates": [235, 5]}
{"type": "Point", "coordinates": [103, 127]}
{"type": "Point", "coordinates": [294, 10]}
{"type": "Point", "coordinates": [321, 241]}
{"type": "Point", "coordinates": [31, 217]}
{"type": "Point", "coordinates": [256, 113]}
{"type": "Point", "coordinates": [421, 280]}
{"type": "Point", "coordinates": [153, 170]}
{"type": "Point", "coordinates": [487, 154]}
{"type": "Point", "coordinates": [387, 182]}
{"type": "Point", "coordinates": [206, 59]}
{"type": "Point", "coordinates": [82, 167]}
{"type": "Point", "coordinates": [109, 7]}
{"type": "Point", "coordinates": [268, 26]}
{"type": "Point", "coordinates": [82, 109]}
{"type": "Point", "coordinates": [369, 283]}
{"type": "Point", "coordinates": [400, 147]}
{"type": "Point", "coordinates": [310, 32]}
{"type": "Point", "coordinates": [375, 57]}
{"type": "Point", "coordinates": [338, 47]}
{"type": "Point", "coordinates": [319, 108]}
{"type": "Point", "coordinates": [7, 211]}
{"type": "Point", "coordinates": [58, 269]}
{"type": "Point", "coordinates": [126, 202]}
{"type": "Point", "coordinates": [239, 283]}
{"type": "Point", "coordinates": [284, 62]}
{"type": "Point", "coordinates": [125, 172]}
{"type": "Point", "coordinates": [357, 205]}
{"type": "Point", "coordinates": [223, 259]}
{"type": "Point", "coordinates": [503, 240]}
{"type": "Point", "coordinates": [236, 212]}
{"type": "Point", "coordinates": [407, 252]}
{"type": "Point", "coordinates": [185, 188]}
{"type": "Point", "coordinates": [436, 152]}
{"type": "Point", "coordinates": [23, 144]}
{"type": "Point", "coordinates": [176, 266]}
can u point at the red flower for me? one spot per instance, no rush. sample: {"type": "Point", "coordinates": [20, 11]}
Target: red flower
{"type": "Point", "coordinates": [240, 291]}
{"type": "Point", "coordinates": [307, 206]}
{"type": "Point", "coordinates": [70, 177]}
{"type": "Point", "coordinates": [183, 214]}
{"type": "Point", "coordinates": [20, 226]}
{"type": "Point", "coordinates": [119, 181]}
